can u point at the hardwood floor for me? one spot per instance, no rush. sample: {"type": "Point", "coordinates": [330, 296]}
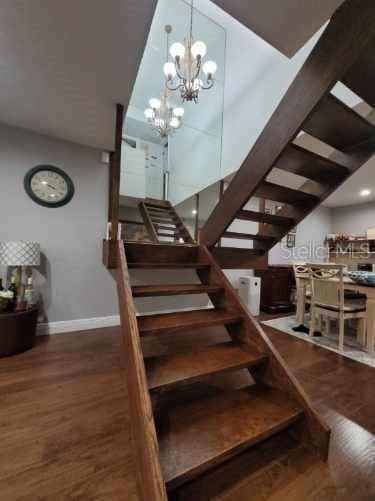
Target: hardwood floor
{"type": "Point", "coordinates": [65, 430]}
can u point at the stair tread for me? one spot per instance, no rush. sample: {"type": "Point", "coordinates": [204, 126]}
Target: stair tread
{"type": "Point", "coordinates": [339, 125]}
{"type": "Point", "coordinates": [168, 228]}
{"type": "Point", "coordinates": [310, 165]}
{"type": "Point", "coordinates": [182, 320]}
{"type": "Point", "coordinates": [158, 212]}
{"type": "Point", "coordinates": [170, 370]}
{"type": "Point", "coordinates": [163, 220]}
{"type": "Point", "coordinates": [264, 217]}
{"type": "Point", "coordinates": [174, 290]}
{"type": "Point", "coordinates": [225, 423]}
{"type": "Point", "coordinates": [157, 203]}
{"type": "Point", "coordinates": [168, 235]}
{"type": "Point", "coordinates": [248, 236]}
{"type": "Point", "coordinates": [150, 264]}
{"type": "Point", "coordinates": [255, 252]}
{"type": "Point", "coordinates": [277, 193]}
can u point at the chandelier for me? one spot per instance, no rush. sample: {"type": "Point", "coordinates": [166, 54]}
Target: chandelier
{"type": "Point", "coordinates": [162, 116]}
{"type": "Point", "coordinates": [185, 71]}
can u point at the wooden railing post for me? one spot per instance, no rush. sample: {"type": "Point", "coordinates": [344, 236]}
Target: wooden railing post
{"type": "Point", "coordinates": [110, 245]}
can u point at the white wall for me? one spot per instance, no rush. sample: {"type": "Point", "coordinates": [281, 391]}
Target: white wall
{"type": "Point", "coordinates": [256, 78]}
{"type": "Point", "coordinates": [355, 219]}
{"type": "Point", "coordinates": [310, 236]}
{"type": "Point", "coordinates": [73, 281]}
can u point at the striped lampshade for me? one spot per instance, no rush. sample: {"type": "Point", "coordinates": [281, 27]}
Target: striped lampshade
{"type": "Point", "coordinates": [19, 253]}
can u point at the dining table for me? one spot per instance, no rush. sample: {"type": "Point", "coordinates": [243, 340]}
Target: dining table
{"type": "Point", "coordinates": [349, 284]}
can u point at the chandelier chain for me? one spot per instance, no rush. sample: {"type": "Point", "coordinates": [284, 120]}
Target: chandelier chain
{"type": "Point", "coordinates": [191, 18]}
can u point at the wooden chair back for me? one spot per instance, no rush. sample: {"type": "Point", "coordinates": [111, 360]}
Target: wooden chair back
{"type": "Point", "coordinates": [327, 284]}
{"type": "Point", "coordinates": [300, 271]}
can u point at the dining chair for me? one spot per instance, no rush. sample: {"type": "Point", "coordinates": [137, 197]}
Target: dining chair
{"type": "Point", "coordinates": [328, 300]}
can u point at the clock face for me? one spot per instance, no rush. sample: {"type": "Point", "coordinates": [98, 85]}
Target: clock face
{"type": "Point", "coordinates": [49, 186]}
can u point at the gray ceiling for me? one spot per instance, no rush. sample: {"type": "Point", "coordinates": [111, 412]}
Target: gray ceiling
{"type": "Point", "coordinates": [65, 64]}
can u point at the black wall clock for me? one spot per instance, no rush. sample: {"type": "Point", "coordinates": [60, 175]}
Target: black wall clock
{"type": "Point", "coordinates": [49, 186]}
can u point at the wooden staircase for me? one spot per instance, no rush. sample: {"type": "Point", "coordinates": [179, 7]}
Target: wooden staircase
{"type": "Point", "coordinates": [185, 418]}
{"type": "Point", "coordinates": [344, 53]}
{"type": "Point", "coordinates": [163, 223]}
{"type": "Point", "coordinates": [205, 385]}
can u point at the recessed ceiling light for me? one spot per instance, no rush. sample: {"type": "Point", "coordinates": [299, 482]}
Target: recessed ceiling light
{"type": "Point", "coordinates": [365, 193]}
{"type": "Point", "coordinates": [194, 211]}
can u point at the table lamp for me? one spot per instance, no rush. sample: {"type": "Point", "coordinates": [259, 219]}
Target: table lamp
{"type": "Point", "coordinates": [19, 254]}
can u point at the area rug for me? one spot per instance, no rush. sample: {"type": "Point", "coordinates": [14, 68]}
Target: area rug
{"type": "Point", "coordinates": [352, 349]}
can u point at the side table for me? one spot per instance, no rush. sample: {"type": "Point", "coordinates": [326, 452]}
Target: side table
{"type": "Point", "coordinates": [17, 331]}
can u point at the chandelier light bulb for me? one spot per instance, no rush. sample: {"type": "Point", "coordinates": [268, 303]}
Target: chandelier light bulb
{"type": "Point", "coordinates": [177, 50]}
{"type": "Point", "coordinates": [175, 123]}
{"type": "Point", "coordinates": [199, 49]}
{"type": "Point", "coordinates": [149, 113]}
{"type": "Point", "coordinates": [155, 103]}
{"type": "Point", "coordinates": [178, 112]}
{"type": "Point", "coordinates": [170, 70]}
{"type": "Point", "coordinates": [209, 68]}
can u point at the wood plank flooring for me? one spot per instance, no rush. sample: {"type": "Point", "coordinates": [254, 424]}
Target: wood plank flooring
{"type": "Point", "coordinates": [65, 430]}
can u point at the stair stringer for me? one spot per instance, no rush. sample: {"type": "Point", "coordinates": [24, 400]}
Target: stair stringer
{"type": "Point", "coordinates": [150, 482]}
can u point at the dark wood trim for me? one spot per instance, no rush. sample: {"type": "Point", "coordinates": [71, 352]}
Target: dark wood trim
{"type": "Point", "coordinates": [221, 193]}
{"type": "Point", "coordinates": [110, 254]}
{"type": "Point", "coordinates": [115, 173]}
{"type": "Point", "coordinates": [150, 480]}
{"type": "Point", "coordinates": [196, 225]}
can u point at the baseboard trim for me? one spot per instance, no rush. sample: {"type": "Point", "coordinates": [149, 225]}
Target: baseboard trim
{"type": "Point", "coordinates": [82, 324]}
{"type": "Point", "coordinates": [86, 324]}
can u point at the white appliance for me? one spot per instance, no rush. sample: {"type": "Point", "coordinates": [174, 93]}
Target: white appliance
{"type": "Point", "coordinates": [249, 291]}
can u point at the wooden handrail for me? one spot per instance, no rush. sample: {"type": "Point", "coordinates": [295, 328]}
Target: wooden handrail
{"type": "Point", "coordinates": [150, 480]}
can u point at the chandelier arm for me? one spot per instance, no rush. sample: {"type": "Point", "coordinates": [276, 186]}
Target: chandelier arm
{"type": "Point", "coordinates": [199, 66]}
{"type": "Point", "coordinates": [210, 84]}
{"type": "Point", "coordinates": [179, 74]}
{"type": "Point", "coordinates": [171, 87]}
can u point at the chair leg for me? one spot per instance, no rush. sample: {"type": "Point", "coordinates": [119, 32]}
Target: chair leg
{"type": "Point", "coordinates": [319, 323]}
{"type": "Point", "coordinates": [312, 321]}
{"type": "Point", "coordinates": [327, 327]}
{"type": "Point", "coordinates": [361, 331]}
{"type": "Point", "coordinates": [341, 333]}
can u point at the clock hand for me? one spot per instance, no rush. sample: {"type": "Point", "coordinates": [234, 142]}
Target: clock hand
{"type": "Point", "coordinates": [50, 186]}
